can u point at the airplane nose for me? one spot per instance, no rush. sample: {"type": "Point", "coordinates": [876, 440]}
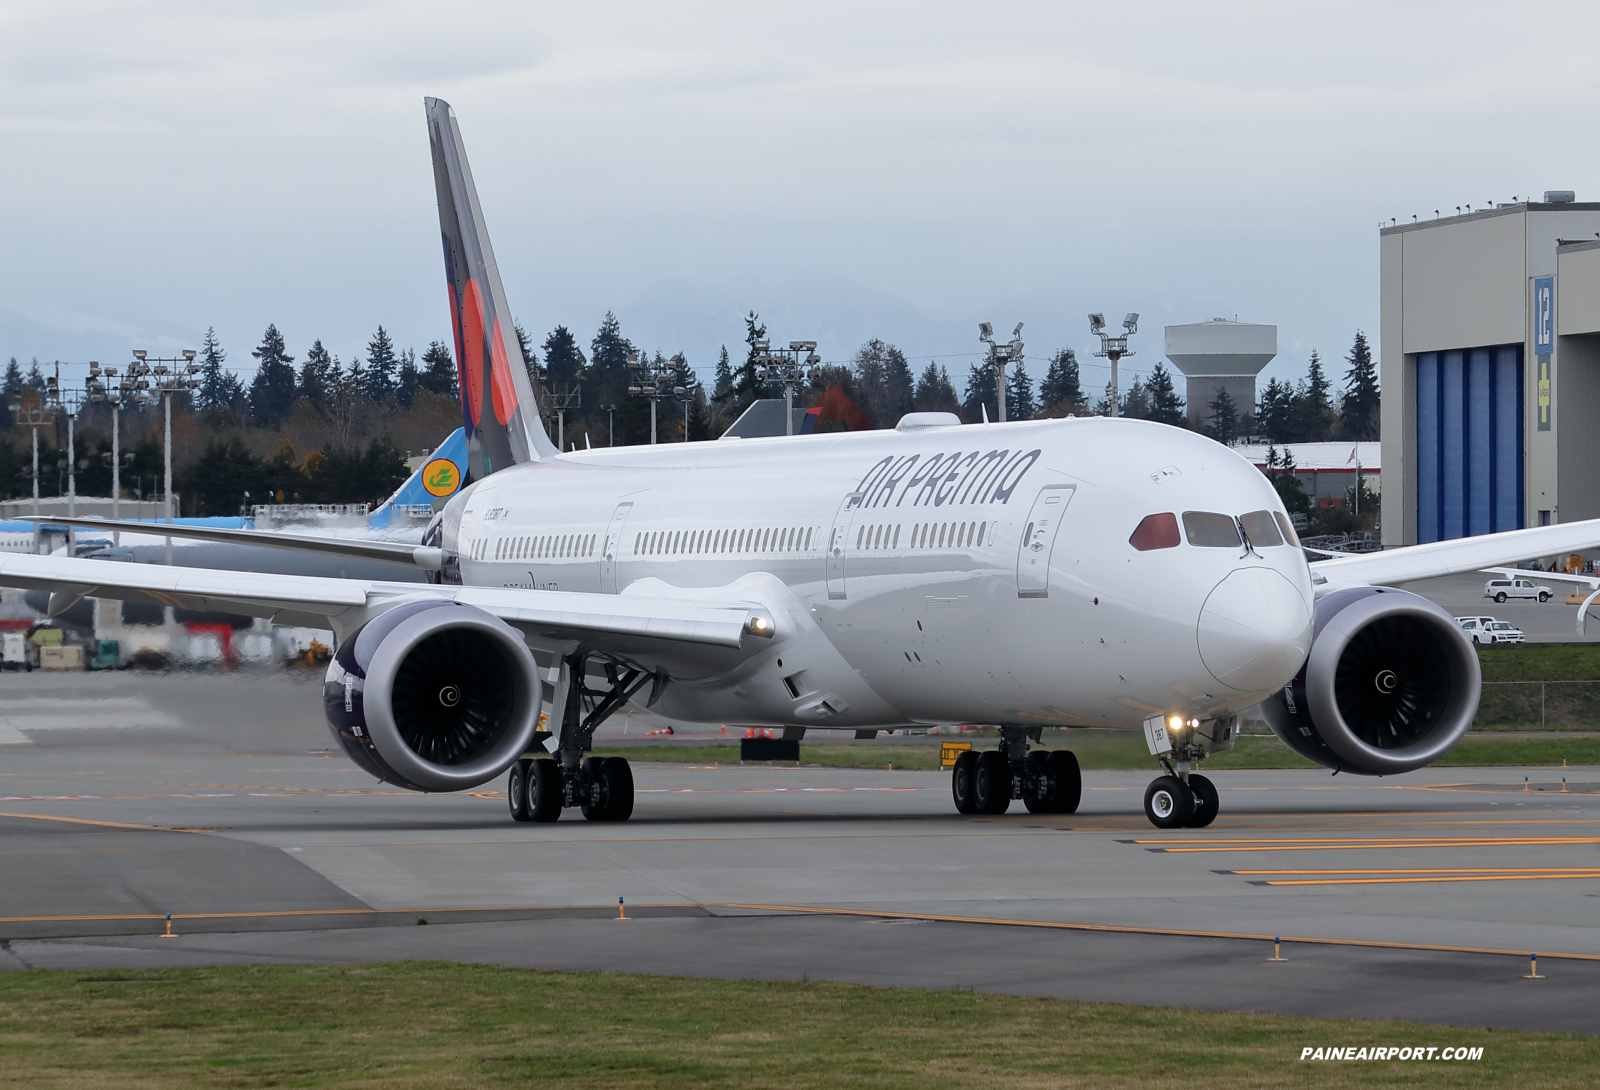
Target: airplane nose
{"type": "Point", "coordinates": [1255, 630]}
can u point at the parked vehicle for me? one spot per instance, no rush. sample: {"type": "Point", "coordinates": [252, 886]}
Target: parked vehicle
{"type": "Point", "coordinates": [1482, 630]}
{"type": "Point", "coordinates": [1505, 632]}
{"type": "Point", "coordinates": [1501, 589]}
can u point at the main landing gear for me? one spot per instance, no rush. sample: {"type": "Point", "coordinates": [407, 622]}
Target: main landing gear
{"type": "Point", "coordinates": [539, 788]}
{"type": "Point", "coordinates": [1046, 782]}
{"type": "Point", "coordinates": [1183, 799]}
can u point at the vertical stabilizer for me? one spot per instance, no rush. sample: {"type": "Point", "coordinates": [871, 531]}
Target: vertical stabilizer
{"type": "Point", "coordinates": [500, 407]}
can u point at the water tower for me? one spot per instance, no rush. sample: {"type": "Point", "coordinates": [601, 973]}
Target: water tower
{"type": "Point", "coordinates": [1221, 355]}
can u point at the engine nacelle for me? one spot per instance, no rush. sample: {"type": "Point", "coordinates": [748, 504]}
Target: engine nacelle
{"type": "Point", "coordinates": [1390, 685]}
{"type": "Point", "coordinates": [433, 696]}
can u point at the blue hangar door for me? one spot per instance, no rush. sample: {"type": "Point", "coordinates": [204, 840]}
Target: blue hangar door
{"type": "Point", "coordinates": [1469, 442]}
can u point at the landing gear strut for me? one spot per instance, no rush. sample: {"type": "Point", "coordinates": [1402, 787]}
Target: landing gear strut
{"type": "Point", "coordinates": [1183, 799]}
{"type": "Point", "coordinates": [538, 789]}
{"type": "Point", "coordinates": [1046, 782]}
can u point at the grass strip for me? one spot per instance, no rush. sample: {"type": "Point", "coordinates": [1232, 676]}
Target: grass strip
{"type": "Point", "coordinates": [399, 1025]}
{"type": "Point", "coordinates": [1099, 750]}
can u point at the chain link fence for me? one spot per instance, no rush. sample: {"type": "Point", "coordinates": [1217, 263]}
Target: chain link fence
{"type": "Point", "coordinates": [1539, 705]}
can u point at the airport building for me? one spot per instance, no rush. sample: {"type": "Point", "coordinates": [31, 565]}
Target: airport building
{"type": "Point", "coordinates": [1490, 365]}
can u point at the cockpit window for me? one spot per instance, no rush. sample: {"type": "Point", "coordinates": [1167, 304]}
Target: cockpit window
{"type": "Point", "coordinates": [1210, 530]}
{"type": "Point", "coordinates": [1156, 532]}
{"type": "Point", "coordinates": [1260, 529]}
{"type": "Point", "coordinates": [1287, 527]}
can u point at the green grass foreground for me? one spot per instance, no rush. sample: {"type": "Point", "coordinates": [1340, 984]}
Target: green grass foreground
{"type": "Point", "coordinates": [444, 1025]}
{"type": "Point", "coordinates": [1100, 750]}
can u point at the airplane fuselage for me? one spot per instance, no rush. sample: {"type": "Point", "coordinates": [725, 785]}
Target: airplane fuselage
{"type": "Point", "coordinates": [945, 574]}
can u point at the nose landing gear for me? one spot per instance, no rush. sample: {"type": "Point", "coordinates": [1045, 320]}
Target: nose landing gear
{"type": "Point", "coordinates": [1184, 799]}
{"type": "Point", "coordinates": [1046, 782]}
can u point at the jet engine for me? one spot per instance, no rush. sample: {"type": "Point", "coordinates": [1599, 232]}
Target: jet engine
{"type": "Point", "coordinates": [1390, 685]}
{"type": "Point", "coordinates": [433, 696]}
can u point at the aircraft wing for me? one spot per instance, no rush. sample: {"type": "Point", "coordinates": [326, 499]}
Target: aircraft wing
{"type": "Point", "coordinates": [602, 621]}
{"type": "Point", "coordinates": [392, 552]}
{"type": "Point", "coordinates": [1394, 566]}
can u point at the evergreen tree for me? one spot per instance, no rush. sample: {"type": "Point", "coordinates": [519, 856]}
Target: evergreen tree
{"type": "Point", "coordinates": [1359, 406]}
{"type": "Point", "coordinates": [935, 393]}
{"type": "Point", "coordinates": [530, 358]}
{"type": "Point", "coordinates": [1280, 471]}
{"type": "Point", "coordinates": [219, 387]}
{"type": "Point", "coordinates": [1274, 411]}
{"type": "Point", "coordinates": [1136, 403]}
{"type": "Point", "coordinates": [1224, 426]}
{"type": "Point", "coordinates": [317, 374]}
{"type": "Point", "coordinates": [870, 392]}
{"type": "Point", "coordinates": [748, 386]}
{"type": "Point", "coordinates": [406, 383]}
{"type": "Point", "coordinates": [899, 395]}
{"type": "Point", "coordinates": [272, 391]}
{"type": "Point", "coordinates": [724, 381]}
{"type": "Point", "coordinates": [438, 375]}
{"type": "Point", "coordinates": [1166, 407]}
{"type": "Point", "coordinates": [12, 386]}
{"type": "Point", "coordinates": [563, 359]}
{"type": "Point", "coordinates": [606, 378]}
{"type": "Point", "coordinates": [982, 394]}
{"type": "Point", "coordinates": [1019, 394]}
{"type": "Point", "coordinates": [1313, 408]}
{"type": "Point", "coordinates": [379, 373]}
{"type": "Point", "coordinates": [1060, 392]}
{"type": "Point", "coordinates": [35, 377]}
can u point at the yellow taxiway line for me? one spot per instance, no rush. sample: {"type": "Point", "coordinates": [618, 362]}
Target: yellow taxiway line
{"type": "Point", "coordinates": [1126, 929]}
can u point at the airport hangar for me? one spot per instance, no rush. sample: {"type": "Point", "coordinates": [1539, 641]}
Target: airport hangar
{"type": "Point", "coordinates": [1490, 366]}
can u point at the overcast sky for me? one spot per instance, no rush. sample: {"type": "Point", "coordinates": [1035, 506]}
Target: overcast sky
{"type": "Point", "coordinates": [848, 170]}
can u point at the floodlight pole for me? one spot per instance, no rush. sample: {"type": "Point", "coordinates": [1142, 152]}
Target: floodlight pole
{"type": "Point", "coordinates": [785, 366]}
{"type": "Point", "coordinates": [1114, 349]}
{"type": "Point", "coordinates": [998, 356]}
{"type": "Point", "coordinates": [180, 378]}
{"type": "Point", "coordinates": [648, 380]}
{"type": "Point", "coordinates": [611, 424]}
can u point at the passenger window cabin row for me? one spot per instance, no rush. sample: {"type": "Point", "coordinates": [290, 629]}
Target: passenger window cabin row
{"type": "Point", "coordinates": [924, 535]}
{"type": "Point", "coordinates": [788, 539]}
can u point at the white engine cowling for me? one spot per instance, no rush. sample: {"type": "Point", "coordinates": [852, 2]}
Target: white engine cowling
{"type": "Point", "coordinates": [433, 696]}
{"type": "Point", "coordinates": [1390, 685]}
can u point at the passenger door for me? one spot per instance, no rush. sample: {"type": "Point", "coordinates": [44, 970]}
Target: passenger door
{"type": "Point", "coordinates": [839, 542]}
{"type": "Point", "coordinates": [608, 559]}
{"type": "Point", "coordinates": [1039, 539]}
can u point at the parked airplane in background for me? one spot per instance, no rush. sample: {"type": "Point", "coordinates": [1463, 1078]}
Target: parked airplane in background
{"type": "Point", "coordinates": [1090, 572]}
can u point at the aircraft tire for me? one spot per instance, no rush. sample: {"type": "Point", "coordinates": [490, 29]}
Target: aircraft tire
{"type": "Point", "coordinates": [619, 788]}
{"type": "Point", "coordinates": [517, 790]}
{"type": "Point", "coordinates": [1066, 782]}
{"type": "Point", "coordinates": [543, 781]}
{"type": "Point", "coordinates": [1168, 803]}
{"type": "Point", "coordinates": [991, 783]}
{"type": "Point", "coordinates": [1206, 802]}
{"type": "Point", "coordinates": [961, 783]}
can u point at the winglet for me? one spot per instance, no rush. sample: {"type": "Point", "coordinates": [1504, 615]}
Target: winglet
{"type": "Point", "coordinates": [500, 407]}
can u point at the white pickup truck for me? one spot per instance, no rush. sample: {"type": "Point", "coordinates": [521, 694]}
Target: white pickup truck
{"type": "Point", "coordinates": [1501, 589]}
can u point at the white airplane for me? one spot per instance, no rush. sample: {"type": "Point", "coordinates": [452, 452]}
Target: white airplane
{"type": "Point", "coordinates": [1091, 572]}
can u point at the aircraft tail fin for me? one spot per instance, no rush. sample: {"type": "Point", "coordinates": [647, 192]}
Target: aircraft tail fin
{"type": "Point", "coordinates": [499, 402]}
